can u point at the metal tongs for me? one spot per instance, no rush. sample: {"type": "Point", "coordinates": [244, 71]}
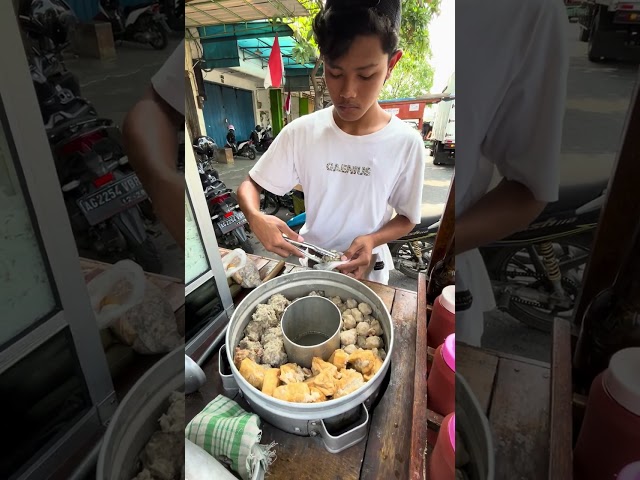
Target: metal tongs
{"type": "Point", "coordinates": [317, 254]}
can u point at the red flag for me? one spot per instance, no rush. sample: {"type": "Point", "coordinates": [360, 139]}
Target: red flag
{"type": "Point", "coordinates": [275, 69]}
{"type": "Point", "coordinates": [287, 104]}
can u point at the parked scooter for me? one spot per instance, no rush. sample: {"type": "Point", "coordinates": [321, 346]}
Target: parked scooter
{"type": "Point", "coordinates": [140, 23]}
{"type": "Point", "coordinates": [270, 203]}
{"type": "Point", "coordinates": [41, 47]}
{"type": "Point", "coordinates": [243, 149]}
{"type": "Point", "coordinates": [265, 139]}
{"type": "Point", "coordinates": [102, 194]}
{"type": "Point", "coordinates": [229, 223]}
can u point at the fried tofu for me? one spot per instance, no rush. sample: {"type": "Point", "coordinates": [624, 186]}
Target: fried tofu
{"type": "Point", "coordinates": [252, 372]}
{"type": "Point", "coordinates": [339, 358]}
{"type": "Point", "coordinates": [377, 365]}
{"type": "Point", "coordinates": [291, 373]}
{"type": "Point", "coordinates": [324, 381]}
{"type": "Point", "coordinates": [318, 365]}
{"type": "Point", "coordinates": [294, 392]}
{"type": "Point", "coordinates": [351, 381]}
{"type": "Point", "coordinates": [271, 381]}
{"type": "Point", "coordinates": [362, 361]}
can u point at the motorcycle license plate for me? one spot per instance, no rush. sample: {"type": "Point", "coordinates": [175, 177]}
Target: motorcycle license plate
{"type": "Point", "coordinates": [231, 223]}
{"type": "Point", "coordinates": [112, 199]}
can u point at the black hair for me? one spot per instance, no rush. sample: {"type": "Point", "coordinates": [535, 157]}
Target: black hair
{"type": "Point", "coordinates": [336, 28]}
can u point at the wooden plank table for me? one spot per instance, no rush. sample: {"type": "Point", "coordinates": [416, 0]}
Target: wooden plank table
{"type": "Point", "coordinates": [385, 453]}
{"type": "Point", "coordinates": [515, 393]}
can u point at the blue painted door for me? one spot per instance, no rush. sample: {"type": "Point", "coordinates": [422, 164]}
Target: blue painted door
{"type": "Point", "coordinates": [228, 106]}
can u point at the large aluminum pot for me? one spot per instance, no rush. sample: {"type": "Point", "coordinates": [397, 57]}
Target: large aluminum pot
{"type": "Point", "coordinates": [136, 418]}
{"type": "Point", "coordinates": [328, 419]}
{"type": "Point", "coordinates": [473, 429]}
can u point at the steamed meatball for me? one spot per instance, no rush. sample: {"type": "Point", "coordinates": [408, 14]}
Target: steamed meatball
{"type": "Point", "coordinates": [349, 337]}
{"type": "Point", "coordinates": [357, 314]}
{"type": "Point", "coordinates": [365, 309]}
{"type": "Point", "coordinates": [273, 333]}
{"type": "Point", "coordinates": [351, 303]}
{"type": "Point", "coordinates": [254, 330]}
{"type": "Point", "coordinates": [363, 328]}
{"type": "Point", "coordinates": [266, 315]}
{"type": "Point", "coordinates": [349, 349]}
{"type": "Point", "coordinates": [279, 303]}
{"type": "Point", "coordinates": [375, 329]}
{"type": "Point", "coordinates": [373, 342]}
{"type": "Point", "coordinates": [348, 321]}
{"type": "Point", "coordinates": [274, 353]}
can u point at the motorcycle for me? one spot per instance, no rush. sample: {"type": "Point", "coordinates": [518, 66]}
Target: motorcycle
{"type": "Point", "coordinates": [229, 223]}
{"type": "Point", "coordinates": [535, 274]}
{"type": "Point", "coordinates": [243, 149]}
{"type": "Point", "coordinates": [46, 51]}
{"type": "Point", "coordinates": [58, 105]}
{"type": "Point", "coordinates": [265, 139]}
{"type": "Point", "coordinates": [104, 197]}
{"type": "Point", "coordinates": [270, 203]}
{"type": "Point", "coordinates": [142, 24]}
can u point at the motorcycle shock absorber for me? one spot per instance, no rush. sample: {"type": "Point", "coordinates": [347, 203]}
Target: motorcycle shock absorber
{"type": "Point", "coordinates": [552, 266]}
{"type": "Point", "coordinates": [416, 248]}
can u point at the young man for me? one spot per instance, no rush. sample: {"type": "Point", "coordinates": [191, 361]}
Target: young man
{"type": "Point", "coordinates": [355, 162]}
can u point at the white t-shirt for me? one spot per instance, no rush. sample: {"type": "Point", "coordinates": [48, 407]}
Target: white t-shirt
{"type": "Point", "coordinates": [168, 82]}
{"type": "Point", "coordinates": [512, 64]}
{"type": "Point", "coordinates": [351, 183]}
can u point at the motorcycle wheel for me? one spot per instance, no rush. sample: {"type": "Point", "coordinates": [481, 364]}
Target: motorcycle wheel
{"type": "Point", "coordinates": [246, 246]}
{"type": "Point", "coordinates": [147, 256]}
{"type": "Point", "coordinates": [161, 40]}
{"type": "Point", "coordinates": [269, 205]}
{"type": "Point", "coordinates": [514, 265]}
{"type": "Point", "coordinates": [405, 260]}
{"type": "Point", "coordinates": [252, 154]}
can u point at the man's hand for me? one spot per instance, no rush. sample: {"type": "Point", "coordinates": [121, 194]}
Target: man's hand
{"type": "Point", "coordinates": [269, 230]}
{"type": "Point", "coordinates": [359, 255]}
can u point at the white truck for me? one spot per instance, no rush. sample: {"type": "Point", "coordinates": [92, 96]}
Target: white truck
{"type": "Point", "coordinates": [611, 28]}
{"type": "Point", "coordinates": [443, 135]}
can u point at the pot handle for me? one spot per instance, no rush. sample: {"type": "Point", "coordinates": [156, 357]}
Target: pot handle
{"type": "Point", "coordinates": [228, 381]}
{"type": "Point", "coordinates": [336, 444]}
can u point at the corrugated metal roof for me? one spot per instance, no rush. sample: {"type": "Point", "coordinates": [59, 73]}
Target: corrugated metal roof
{"type": "Point", "coordinates": [200, 13]}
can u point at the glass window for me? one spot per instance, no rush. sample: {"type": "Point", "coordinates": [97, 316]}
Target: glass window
{"type": "Point", "coordinates": [26, 295]}
{"type": "Point", "coordinates": [43, 396]}
{"type": "Point", "coordinates": [195, 257]}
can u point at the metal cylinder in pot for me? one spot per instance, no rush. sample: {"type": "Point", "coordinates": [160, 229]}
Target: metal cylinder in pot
{"type": "Point", "coordinates": [311, 328]}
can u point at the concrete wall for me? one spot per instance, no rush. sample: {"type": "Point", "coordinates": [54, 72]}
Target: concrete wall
{"type": "Point", "coordinates": [188, 62]}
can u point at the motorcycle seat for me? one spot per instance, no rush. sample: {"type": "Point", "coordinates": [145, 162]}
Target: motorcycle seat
{"type": "Point", "coordinates": [580, 184]}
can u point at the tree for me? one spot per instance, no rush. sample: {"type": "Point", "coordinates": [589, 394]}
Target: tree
{"type": "Point", "coordinates": [413, 75]}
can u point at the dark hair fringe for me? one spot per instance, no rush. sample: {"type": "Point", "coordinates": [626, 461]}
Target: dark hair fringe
{"type": "Point", "coordinates": [335, 29]}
